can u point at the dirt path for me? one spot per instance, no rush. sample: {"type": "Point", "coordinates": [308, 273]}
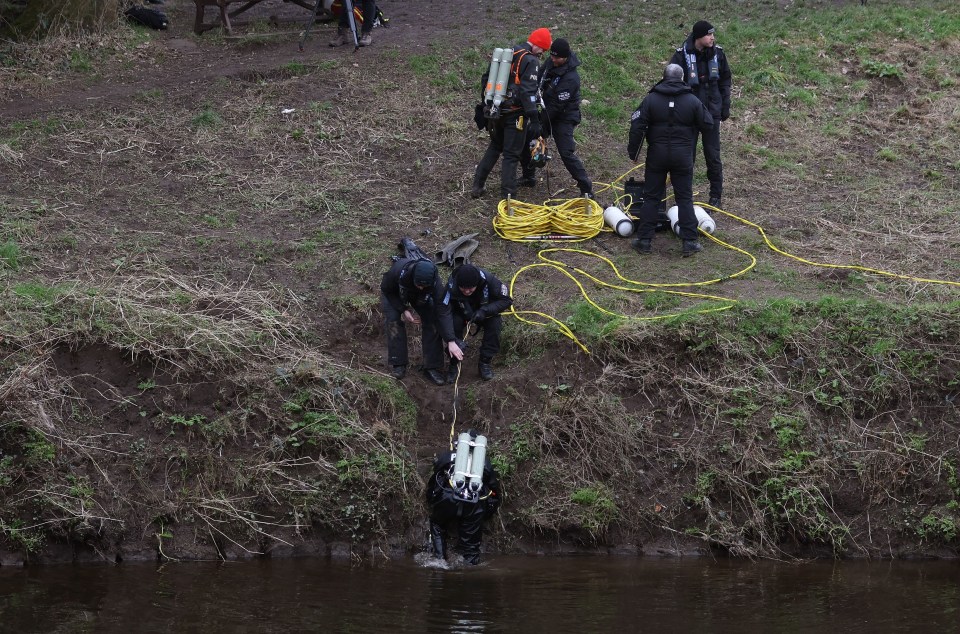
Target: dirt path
{"type": "Point", "coordinates": [183, 64]}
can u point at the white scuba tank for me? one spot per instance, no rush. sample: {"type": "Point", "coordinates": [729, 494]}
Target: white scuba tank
{"type": "Point", "coordinates": [492, 75]}
{"type": "Point", "coordinates": [704, 220]}
{"type": "Point", "coordinates": [477, 459]}
{"type": "Point", "coordinates": [503, 79]}
{"type": "Point", "coordinates": [461, 464]}
{"type": "Point", "coordinates": [617, 220]}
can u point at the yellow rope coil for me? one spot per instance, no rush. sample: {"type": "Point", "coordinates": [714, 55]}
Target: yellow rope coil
{"type": "Point", "coordinates": [572, 219]}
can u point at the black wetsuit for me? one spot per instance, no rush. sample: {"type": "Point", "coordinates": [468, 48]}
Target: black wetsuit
{"type": "Point", "coordinates": [466, 511]}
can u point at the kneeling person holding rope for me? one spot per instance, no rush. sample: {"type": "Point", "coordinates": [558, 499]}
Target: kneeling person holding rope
{"type": "Point", "coordinates": [411, 291]}
{"type": "Point", "coordinates": [476, 296]}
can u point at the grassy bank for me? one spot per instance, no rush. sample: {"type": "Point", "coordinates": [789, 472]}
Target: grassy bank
{"type": "Point", "coordinates": [190, 339]}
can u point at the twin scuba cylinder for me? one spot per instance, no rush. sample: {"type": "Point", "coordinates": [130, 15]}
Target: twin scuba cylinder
{"type": "Point", "coordinates": [498, 78]}
{"type": "Point", "coordinates": [468, 465]}
{"type": "Point", "coordinates": [623, 224]}
{"type": "Point", "coordinates": [704, 220]}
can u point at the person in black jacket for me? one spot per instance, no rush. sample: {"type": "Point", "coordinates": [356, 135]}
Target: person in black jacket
{"type": "Point", "coordinates": [706, 71]}
{"type": "Point", "coordinates": [560, 86]}
{"type": "Point", "coordinates": [476, 296]}
{"type": "Point", "coordinates": [668, 118]}
{"type": "Point", "coordinates": [412, 291]}
{"type": "Point", "coordinates": [461, 507]}
{"type": "Point", "coordinates": [518, 117]}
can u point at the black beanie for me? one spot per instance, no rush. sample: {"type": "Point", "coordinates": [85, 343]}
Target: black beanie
{"type": "Point", "coordinates": [468, 276]}
{"type": "Point", "coordinates": [424, 273]}
{"type": "Point", "coordinates": [701, 28]}
{"type": "Point", "coordinates": [560, 48]}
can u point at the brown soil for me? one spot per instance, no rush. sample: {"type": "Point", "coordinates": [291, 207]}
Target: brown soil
{"type": "Point", "coordinates": [185, 70]}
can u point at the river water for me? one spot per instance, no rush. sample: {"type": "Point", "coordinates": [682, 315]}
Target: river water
{"type": "Point", "coordinates": [504, 594]}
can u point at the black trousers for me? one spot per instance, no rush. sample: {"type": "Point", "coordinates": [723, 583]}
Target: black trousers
{"type": "Point", "coordinates": [711, 153]}
{"type": "Point", "coordinates": [508, 139]}
{"type": "Point", "coordinates": [563, 137]}
{"type": "Point", "coordinates": [492, 328]}
{"type": "Point", "coordinates": [655, 185]}
{"type": "Point", "coordinates": [467, 518]}
{"type": "Point", "coordinates": [397, 336]}
{"type": "Point", "coordinates": [369, 10]}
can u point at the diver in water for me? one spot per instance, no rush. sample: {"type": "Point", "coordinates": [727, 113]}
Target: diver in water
{"type": "Point", "coordinates": [461, 493]}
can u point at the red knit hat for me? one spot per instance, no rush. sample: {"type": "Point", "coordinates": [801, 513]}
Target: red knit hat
{"type": "Point", "coordinates": [541, 37]}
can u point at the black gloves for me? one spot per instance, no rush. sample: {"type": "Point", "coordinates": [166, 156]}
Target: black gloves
{"type": "Point", "coordinates": [479, 315]}
{"type": "Point", "coordinates": [480, 117]}
{"type": "Point", "coordinates": [534, 129]}
{"type": "Point", "coordinates": [725, 114]}
{"type": "Point", "coordinates": [545, 123]}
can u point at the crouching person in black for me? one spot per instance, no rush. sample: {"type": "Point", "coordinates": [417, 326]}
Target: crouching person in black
{"type": "Point", "coordinates": [476, 296]}
{"type": "Point", "coordinates": [455, 500]}
{"type": "Point", "coordinates": [411, 291]}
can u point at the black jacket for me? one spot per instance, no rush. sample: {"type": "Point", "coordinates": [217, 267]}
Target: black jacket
{"type": "Point", "coordinates": [669, 118]}
{"type": "Point", "coordinates": [440, 491]}
{"type": "Point", "coordinates": [521, 97]}
{"type": "Point", "coordinates": [491, 295]}
{"type": "Point", "coordinates": [398, 287]}
{"type": "Point", "coordinates": [560, 86]}
{"type": "Point", "coordinates": [713, 92]}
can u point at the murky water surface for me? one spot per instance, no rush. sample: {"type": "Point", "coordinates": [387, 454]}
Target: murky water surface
{"type": "Point", "coordinates": [505, 594]}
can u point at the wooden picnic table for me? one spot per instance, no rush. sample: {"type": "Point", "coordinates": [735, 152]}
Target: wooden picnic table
{"type": "Point", "coordinates": [199, 26]}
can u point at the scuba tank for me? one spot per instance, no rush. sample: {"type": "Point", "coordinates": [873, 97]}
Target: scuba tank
{"type": "Point", "coordinates": [502, 81]}
{"type": "Point", "coordinates": [478, 457]}
{"type": "Point", "coordinates": [704, 220]}
{"type": "Point", "coordinates": [492, 76]}
{"type": "Point", "coordinates": [461, 464]}
{"type": "Point", "coordinates": [617, 220]}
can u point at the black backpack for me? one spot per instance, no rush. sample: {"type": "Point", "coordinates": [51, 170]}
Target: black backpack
{"type": "Point", "coordinates": [148, 17]}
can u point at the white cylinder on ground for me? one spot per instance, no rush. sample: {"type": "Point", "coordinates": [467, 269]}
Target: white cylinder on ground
{"type": "Point", "coordinates": [617, 220]}
{"type": "Point", "coordinates": [704, 220]}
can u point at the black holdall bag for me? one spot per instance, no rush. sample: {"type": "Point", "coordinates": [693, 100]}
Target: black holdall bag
{"type": "Point", "coordinates": [635, 188]}
{"type": "Point", "coordinates": [151, 18]}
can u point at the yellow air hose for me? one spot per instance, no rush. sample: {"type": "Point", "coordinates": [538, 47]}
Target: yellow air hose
{"type": "Point", "coordinates": [580, 219]}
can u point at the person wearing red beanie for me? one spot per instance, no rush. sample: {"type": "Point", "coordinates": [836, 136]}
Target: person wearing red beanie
{"type": "Point", "coordinates": [541, 38]}
{"type": "Point", "coordinates": [518, 117]}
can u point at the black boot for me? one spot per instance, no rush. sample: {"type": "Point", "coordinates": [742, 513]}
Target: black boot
{"type": "Point", "coordinates": [453, 372]}
{"type": "Point", "coordinates": [486, 371]}
{"type": "Point", "coordinates": [478, 189]}
{"type": "Point", "coordinates": [435, 376]}
{"type": "Point", "coordinates": [438, 541]}
{"type": "Point", "coordinates": [690, 247]}
{"type": "Point", "coordinates": [643, 246]}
